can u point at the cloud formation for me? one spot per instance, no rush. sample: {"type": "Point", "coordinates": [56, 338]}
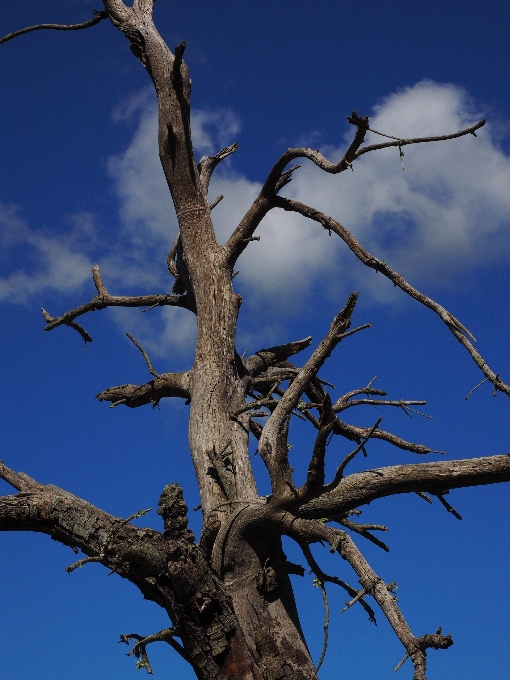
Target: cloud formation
{"type": "Point", "coordinates": [447, 212]}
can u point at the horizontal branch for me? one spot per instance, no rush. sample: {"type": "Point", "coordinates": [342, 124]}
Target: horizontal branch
{"type": "Point", "coordinates": [420, 140]}
{"type": "Point", "coordinates": [207, 164]}
{"type": "Point", "coordinates": [163, 385]}
{"type": "Point", "coordinates": [454, 325]}
{"type": "Point", "coordinates": [98, 16]}
{"type": "Point", "coordinates": [104, 299]}
{"type": "Point", "coordinates": [364, 487]}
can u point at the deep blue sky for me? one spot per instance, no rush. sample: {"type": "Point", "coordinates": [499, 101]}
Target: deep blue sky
{"type": "Point", "coordinates": [79, 183]}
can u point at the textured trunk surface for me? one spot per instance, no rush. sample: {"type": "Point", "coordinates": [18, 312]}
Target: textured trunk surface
{"type": "Point", "coordinates": [229, 596]}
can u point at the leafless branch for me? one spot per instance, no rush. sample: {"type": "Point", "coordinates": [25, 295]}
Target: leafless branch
{"type": "Point", "coordinates": [458, 329]}
{"type": "Point", "coordinates": [163, 385]}
{"type": "Point", "coordinates": [445, 504]}
{"type": "Point", "coordinates": [207, 164]}
{"type": "Point", "coordinates": [364, 487]}
{"type": "Point", "coordinates": [356, 433]}
{"type": "Point", "coordinates": [420, 140]}
{"type": "Point", "coordinates": [104, 299]}
{"type": "Point", "coordinates": [315, 477]}
{"type": "Point", "coordinates": [361, 447]}
{"type": "Point", "coordinates": [145, 356]}
{"type": "Point", "coordinates": [18, 480]}
{"type": "Point", "coordinates": [364, 530]}
{"type": "Point", "coordinates": [264, 358]}
{"type": "Point", "coordinates": [217, 200]}
{"type": "Point", "coordinates": [325, 578]}
{"type": "Point", "coordinates": [274, 454]}
{"type": "Point", "coordinates": [371, 584]}
{"type": "Point", "coordinates": [400, 403]}
{"type": "Point", "coordinates": [98, 16]}
{"type": "Point", "coordinates": [139, 650]}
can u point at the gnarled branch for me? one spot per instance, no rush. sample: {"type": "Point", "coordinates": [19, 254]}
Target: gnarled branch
{"type": "Point", "coordinates": [163, 385]}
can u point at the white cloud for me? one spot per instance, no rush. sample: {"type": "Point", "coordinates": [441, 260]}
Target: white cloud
{"type": "Point", "coordinates": [448, 211]}
{"type": "Point", "coordinates": [55, 263]}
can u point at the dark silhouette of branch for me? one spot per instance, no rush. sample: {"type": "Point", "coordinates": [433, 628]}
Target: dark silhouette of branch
{"type": "Point", "coordinates": [98, 16]}
{"type": "Point", "coordinates": [458, 330]}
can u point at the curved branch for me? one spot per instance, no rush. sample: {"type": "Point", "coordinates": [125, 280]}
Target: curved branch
{"type": "Point", "coordinates": [458, 330]}
{"type": "Point", "coordinates": [372, 584]}
{"type": "Point", "coordinates": [420, 140]}
{"type": "Point", "coordinates": [364, 487]}
{"type": "Point", "coordinates": [99, 16]}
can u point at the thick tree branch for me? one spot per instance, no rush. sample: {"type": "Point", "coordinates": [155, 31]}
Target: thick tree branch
{"type": "Point", "coordinates": [458, 330]}
{"type": "Point", "coordinates": [264, 358]}
{"type": "Point", "coordinates": [98, 16]}
{"type": "Point", "coordinates": [364, 487]}
{"type": "Point", "coordinates": [163, 385]}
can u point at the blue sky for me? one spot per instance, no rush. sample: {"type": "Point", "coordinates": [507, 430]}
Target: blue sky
{"type": "Point", "coordinates": [80, 183]}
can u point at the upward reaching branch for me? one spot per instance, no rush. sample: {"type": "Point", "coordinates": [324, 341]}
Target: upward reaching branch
{"type": "Point", "coordinates": [458, 329]}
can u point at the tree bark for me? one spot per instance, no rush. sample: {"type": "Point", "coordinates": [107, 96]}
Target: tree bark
{"type": "Point", "coordinates": [229, 597]}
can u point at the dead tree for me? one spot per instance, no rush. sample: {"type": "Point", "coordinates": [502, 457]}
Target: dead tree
{"type": "Point", "coordinates": [228, 596]}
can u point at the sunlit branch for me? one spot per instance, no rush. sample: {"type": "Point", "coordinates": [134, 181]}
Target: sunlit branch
{"type": "Point", "coordinates": [364, 487]}
{"type": "Point", "coordinates": [207, 164]}
{"type": "Point", "coordinates": [271, 446]}
{"type": "Point", "coordinates": [163, 385]}
{"type": "Point", "coordinates": [104, 299]}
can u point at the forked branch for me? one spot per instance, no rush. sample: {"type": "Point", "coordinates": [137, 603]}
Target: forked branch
{"type": "Point", "coordinates": [104, 299]}
{"type": "Point", "coordinates": [364, 487]}
{"type": "Point", "coordinates": [271, 447]}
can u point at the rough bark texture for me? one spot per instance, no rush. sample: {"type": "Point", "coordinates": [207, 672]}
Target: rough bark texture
{"type": "Point", "coordinates": [228, 596]}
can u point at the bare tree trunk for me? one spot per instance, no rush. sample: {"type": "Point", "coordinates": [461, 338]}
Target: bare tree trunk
{"type": "Point", "coordinates": [229, 596]}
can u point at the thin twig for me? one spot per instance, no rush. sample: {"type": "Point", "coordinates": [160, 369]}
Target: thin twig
{"type": "Point", "coordinates": [145, 356]}
{"type": "Point", "coordinates": [99, 16]}
{"type": "Point", "coordinates": [326, 626]}
{"type": "Point", "coordinates": [350, 456]}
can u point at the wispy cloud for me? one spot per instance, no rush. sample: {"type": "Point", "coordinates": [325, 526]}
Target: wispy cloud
{"type": "Point", "coordinates": [50, 262]}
